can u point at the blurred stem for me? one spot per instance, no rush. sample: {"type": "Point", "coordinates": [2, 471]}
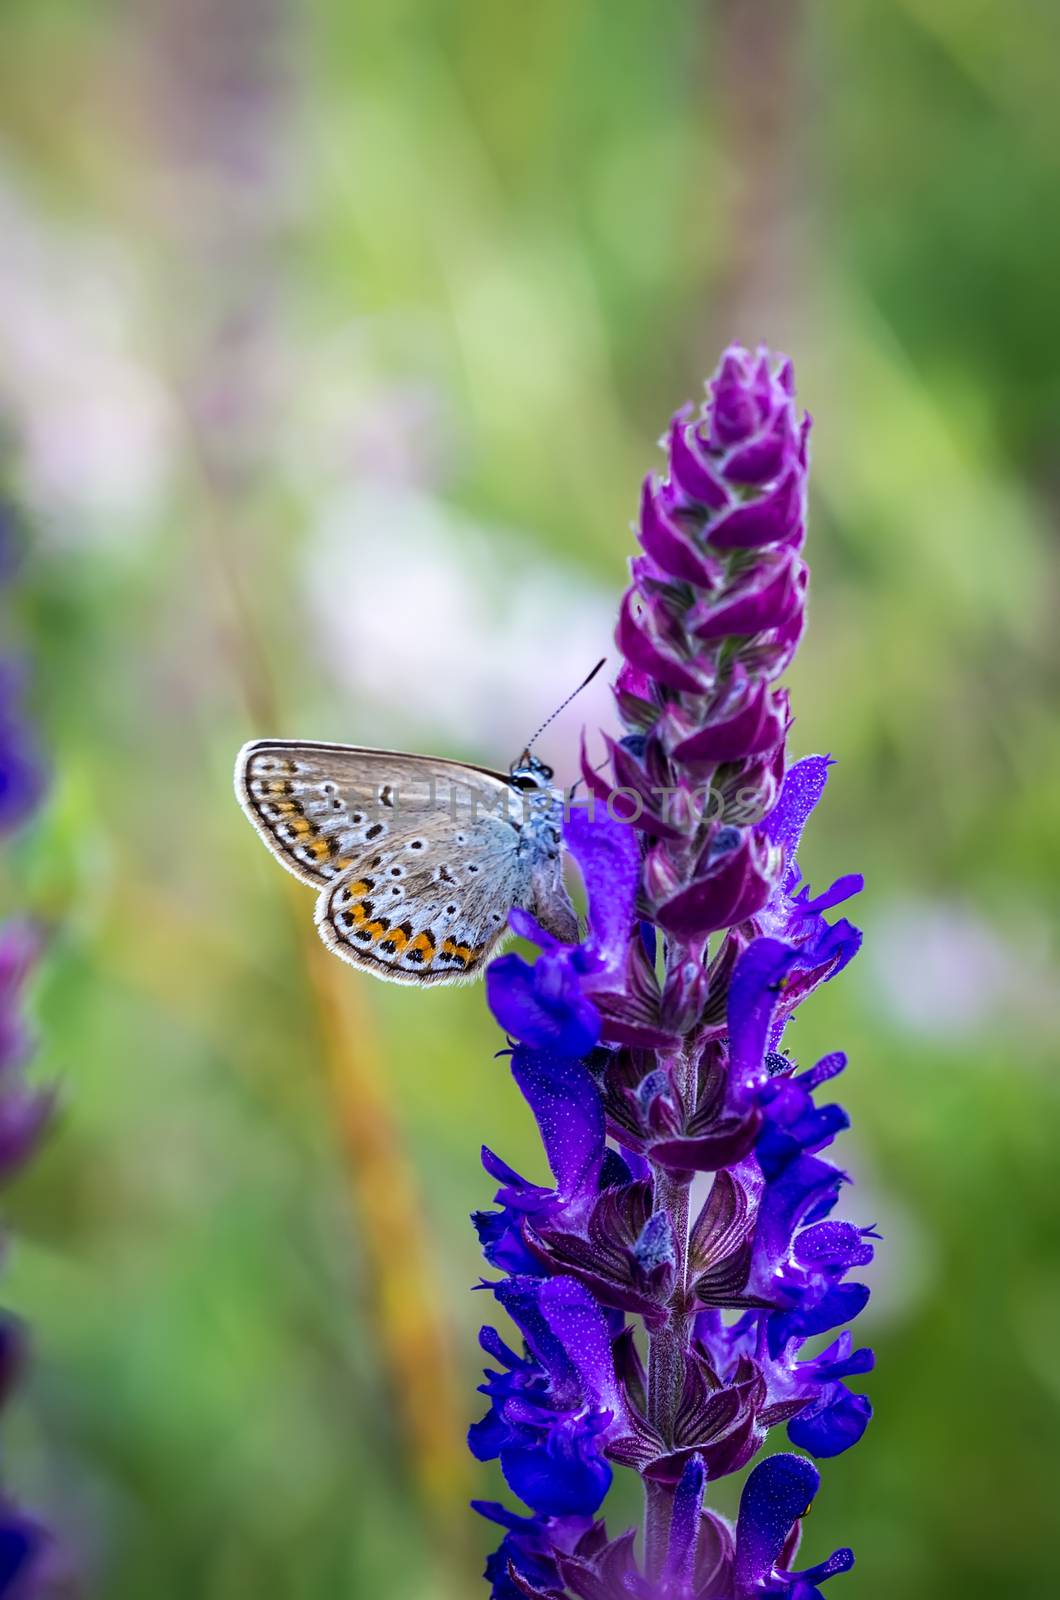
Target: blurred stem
{"type": "Point", "coordinates": [391, 1217]}
{"type": "Point", "coordinates": [756, 91]}
{"type": "Point", "coordinates": [224, 83]}
{"type": "Point", "coordinates": [413, 1335]}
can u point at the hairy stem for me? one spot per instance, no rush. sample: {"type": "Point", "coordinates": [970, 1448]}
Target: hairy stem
{"type": "Point", "coordinates": [667, 1346]}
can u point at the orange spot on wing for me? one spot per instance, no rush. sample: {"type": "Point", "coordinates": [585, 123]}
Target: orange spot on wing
{"type": "Point", "coordinates": [460, 952]}
{"type": "Point", "coordinates": [423, 946]}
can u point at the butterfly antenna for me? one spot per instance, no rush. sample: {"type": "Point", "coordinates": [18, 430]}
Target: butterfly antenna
{"type": "Point", "coordinates": [583, 685]}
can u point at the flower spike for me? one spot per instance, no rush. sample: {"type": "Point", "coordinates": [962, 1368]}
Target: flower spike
{"type": "Point", "coordinates": [662, 1337]}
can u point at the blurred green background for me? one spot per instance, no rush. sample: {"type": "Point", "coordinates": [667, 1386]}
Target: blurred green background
{"type": "Point", "coordinates": [334, 341]}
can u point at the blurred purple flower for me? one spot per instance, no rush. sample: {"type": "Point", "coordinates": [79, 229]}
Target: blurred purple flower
{"type": "Point", "coordinates": [24, 1111]}
{"type": "Point", "coordinates": [21, 766]}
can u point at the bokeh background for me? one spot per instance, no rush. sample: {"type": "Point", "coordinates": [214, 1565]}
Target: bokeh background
{"type": "Point", "coordinates": [334, 341]}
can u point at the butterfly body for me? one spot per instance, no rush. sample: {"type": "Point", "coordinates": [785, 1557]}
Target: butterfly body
{"type": "Point", "coordinates": [417, 861]}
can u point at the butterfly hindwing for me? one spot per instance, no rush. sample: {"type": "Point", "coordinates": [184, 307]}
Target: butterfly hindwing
{"type": "Point", "coordinates": [430, 905]}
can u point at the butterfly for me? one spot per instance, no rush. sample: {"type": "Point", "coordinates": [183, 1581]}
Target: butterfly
{"type": "Point", "coordinates": [417, 861]}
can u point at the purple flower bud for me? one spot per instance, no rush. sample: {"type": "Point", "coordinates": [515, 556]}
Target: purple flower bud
{"type": "Point", "coordinates": [641, 644]}
{"type": "Point", "coordinates": [775, 518]}
{"type": "Point", "coordinates": [725, 890]}
{"type": "Point", "coordinates": [767, 597]}
{"type": "Point", "coordinates": [751, 720]}
{"type": "Point", "coordinates": [671, 547]}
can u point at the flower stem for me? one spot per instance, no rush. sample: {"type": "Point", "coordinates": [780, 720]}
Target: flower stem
{"type": "Point", "coordinates": [668, 1345]}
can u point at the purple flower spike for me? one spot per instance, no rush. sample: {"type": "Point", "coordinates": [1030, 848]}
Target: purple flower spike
{"type": "Point", "coordinates": [777, 1494]}
{"type": "Point", "coordinates": [831, 1424]}
{"type": "Point", "coordinates": [659, 1335]}
{"type": "Point", "coordinates": [548, 1005]}
{"type": "Point", "coordinates": [566, 1105]}
{"type": "Point", "coordinates": [803, 787]}
{"type": "Point", "coordinates": [734, 882]}
{"type": "Point", "coordinates": [551, 1411]}
{"type": "Point", "coordinates": [608, 855]}
{"type": "Point", "coordinates": [526, 1562]}
{"type": "Point", "coordinates": [544, 1005]}
{"type": "Point", "coordinates": [685, 1523]}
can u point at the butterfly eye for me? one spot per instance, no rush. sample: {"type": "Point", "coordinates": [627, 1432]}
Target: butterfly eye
{"type": "Point", "coordinates": [417, 844]}
{"type": "Point", "coordinates": [534, 776]}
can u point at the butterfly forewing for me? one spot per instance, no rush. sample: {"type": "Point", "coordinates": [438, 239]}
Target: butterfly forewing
{"type": "Point", "coordinates": [318, 806]}
{"type": "Point", "coordinates": [417, 860]}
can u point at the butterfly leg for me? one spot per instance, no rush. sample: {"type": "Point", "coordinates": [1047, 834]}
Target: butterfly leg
{"type": "Point", "coordinates": [550, 903]}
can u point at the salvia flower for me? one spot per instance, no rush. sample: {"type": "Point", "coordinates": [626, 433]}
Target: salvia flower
{"type": "Point", "coordinates": [664, 1286]}
{"type": "Point", "coordinates": [706, 1559]}
{"type": "Point", "coordinates": [549, 1005]}
{"type": "Point", "coordinates": [552, 1411]}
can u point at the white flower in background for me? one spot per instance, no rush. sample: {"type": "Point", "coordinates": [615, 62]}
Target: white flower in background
{"type": "Point", "coordinates": [458, 634]}
{"type": "Point", "coordinates": [93, 425]}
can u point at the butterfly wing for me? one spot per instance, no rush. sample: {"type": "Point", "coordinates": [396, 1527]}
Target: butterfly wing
{"type": "Point", "coordinates": [429, 904]}
{"type": "Point", "coordinates": [417, 860]}
{"type": "Point", "coordinates": [319, 806]}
